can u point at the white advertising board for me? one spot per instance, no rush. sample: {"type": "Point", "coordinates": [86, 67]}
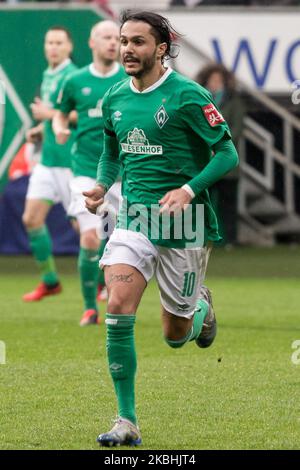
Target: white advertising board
{"type": "Point", "coordinates": [262, 48]}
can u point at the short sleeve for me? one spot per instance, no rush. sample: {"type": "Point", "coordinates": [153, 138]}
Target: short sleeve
{"type": "Point", "coordinates": [199, 112]}
{"type": "Point", "coordinates": [66, 99]}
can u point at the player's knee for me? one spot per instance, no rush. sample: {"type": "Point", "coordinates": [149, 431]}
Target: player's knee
{"type": "Point", "coordinates": [90, 240]}
{"type": "Point", "coordinates": [118, 304]}
{"type": "Point", "coordinates": [30, 221]}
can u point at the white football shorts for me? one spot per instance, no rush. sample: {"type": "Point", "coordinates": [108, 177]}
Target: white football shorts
{"type": "Point", "coordinates": [179, 272]}
{"type": "Point", "coordinates": [50, 184]}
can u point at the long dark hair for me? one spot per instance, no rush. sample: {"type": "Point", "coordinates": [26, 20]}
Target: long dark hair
{"type": "Point", "coordinates": [161, 28]}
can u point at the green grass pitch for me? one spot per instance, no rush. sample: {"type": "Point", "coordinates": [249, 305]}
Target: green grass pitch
{"type": "Point", "coordinates": [242, 393]}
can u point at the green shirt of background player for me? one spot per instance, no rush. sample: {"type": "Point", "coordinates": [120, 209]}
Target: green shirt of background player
{"type": "Point", "coordinates": [54, 155]}
{"type": "Point", "coordinates": [162, 128]}
{"type": "Point", "coordinates": [49, 182]}
{"type": "Point", "coordinates": [83, 92]}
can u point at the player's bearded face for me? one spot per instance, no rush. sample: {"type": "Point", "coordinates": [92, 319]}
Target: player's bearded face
{"type": "Point", "coordinates": [138, 67]}
{"type": "Point", "coordinates": [138, 48]}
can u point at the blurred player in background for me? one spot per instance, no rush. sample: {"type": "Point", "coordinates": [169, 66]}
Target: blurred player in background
{"type": "Point", "coordinates": [49, 182]}
{"type": "Point", "coordinates": [83, 92]}
{"type": "Point", "coordinates": [162, 128]}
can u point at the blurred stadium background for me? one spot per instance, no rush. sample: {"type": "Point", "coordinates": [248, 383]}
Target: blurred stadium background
{"type": "Point", "coordinates": [260, 44]}
{"type": "Point", "coordinates": [256, 288]}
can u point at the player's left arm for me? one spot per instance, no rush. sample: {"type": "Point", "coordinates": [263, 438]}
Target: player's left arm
{"type": "Point", "coordinates": [224, 160]}
{"type": "Point", "coordinates": [206, 121]}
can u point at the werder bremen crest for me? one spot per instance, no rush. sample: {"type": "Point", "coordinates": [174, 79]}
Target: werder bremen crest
{"type": "Point", "coordinates": [137, 142]}
{"type": "Point", "coordinates": [161, 116]}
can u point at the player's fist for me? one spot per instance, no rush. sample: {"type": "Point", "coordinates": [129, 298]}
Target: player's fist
{"type": "Point", "coordinates": [175, 201]}
{"type": "Point", "coordinates": [39, 110]}
{"type": "Point", "coordinates": [94, 198]}
{"type": "Point", "coordinates": [62, 136]}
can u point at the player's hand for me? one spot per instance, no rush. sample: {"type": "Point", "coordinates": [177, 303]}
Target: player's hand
{"type": "Point", "coordinates": [39, 110]}
{"type": "Point", "coordinates": [62, 136]}
{"type": "Point", "coordinates": [94, 198]}
{"type": "Point", "coordinates": [33, 135]}
{"type": "Point", "coordinates": [174, 202]}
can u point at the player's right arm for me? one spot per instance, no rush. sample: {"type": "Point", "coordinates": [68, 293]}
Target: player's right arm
{"type": "Point", "coordinates": [109, 163]}
{"type": "Point", "coordinates": [107, 173]}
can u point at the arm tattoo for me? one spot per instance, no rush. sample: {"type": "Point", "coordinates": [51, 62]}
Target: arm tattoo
{"type": "Point", "coordinates": [120, 278]}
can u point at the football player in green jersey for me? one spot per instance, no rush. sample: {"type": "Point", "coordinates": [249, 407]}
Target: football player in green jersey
{"type": "Point", "coordinates": [49, 182]}
{"type": "Point", "coordinates": [172, 143]}
{"type": "Point", "coordinates": [83, 92]}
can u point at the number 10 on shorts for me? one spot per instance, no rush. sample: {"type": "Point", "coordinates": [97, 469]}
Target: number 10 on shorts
{"type": "Point", "coordinates": [188, 284]}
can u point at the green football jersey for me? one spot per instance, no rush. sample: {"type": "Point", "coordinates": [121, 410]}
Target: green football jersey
{"type": "Point", "coordinates": [84, 92]}
{"type": "Point", "coordinates": [165, 136]}
{"type": "Point", "coordinates": [54, 154]}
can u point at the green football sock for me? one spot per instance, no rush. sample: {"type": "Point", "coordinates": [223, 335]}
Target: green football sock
{"type": "Point", "coordinates": [122, 361]}
{"type": "Point", "coordinates": [178, 343]}
{"type": "Point", "coordinates": [41, 246]}
{"type": "Point", "coordinates": [88, 271]}
{"type": "Point", "coordinates": [199, 315]}
{"type": "Point", "coordinates": [101, 280]}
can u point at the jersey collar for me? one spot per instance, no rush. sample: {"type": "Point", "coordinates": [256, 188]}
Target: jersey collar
{"type": "Point", "coordinates": [155, 85]}
{"type": "Point", "coordinates": [112, 72]}
{"type": "Point", "coordinates": [59, 67]}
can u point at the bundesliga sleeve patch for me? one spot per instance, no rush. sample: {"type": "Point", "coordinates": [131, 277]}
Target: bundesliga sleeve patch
{"type": "Point", "coordinates": [212, 115]}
